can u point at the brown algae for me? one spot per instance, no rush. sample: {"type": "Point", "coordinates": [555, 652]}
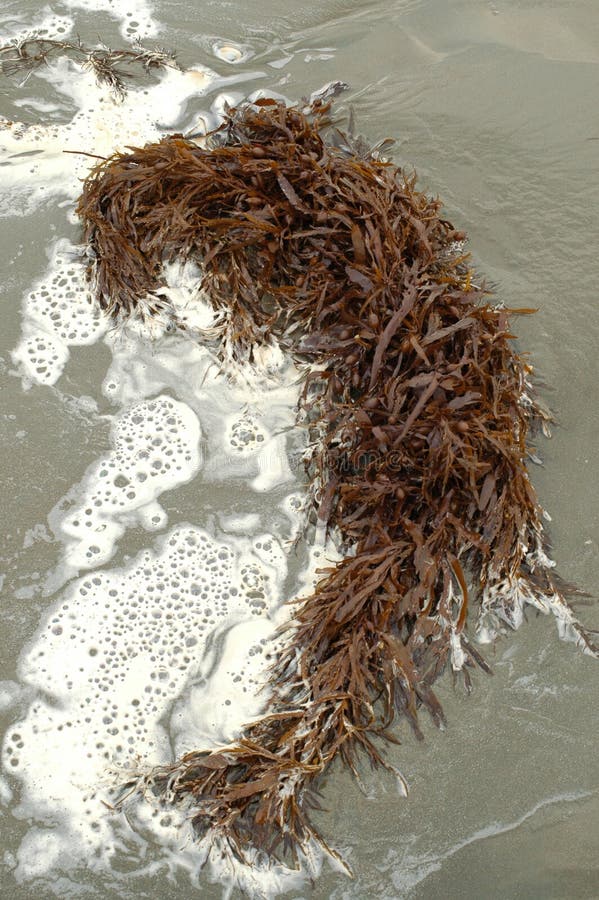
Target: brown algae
{"type": "Point", "coordinates": [419, 410]}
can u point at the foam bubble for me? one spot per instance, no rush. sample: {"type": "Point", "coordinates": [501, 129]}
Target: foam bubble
{"type": "Point", "coordinates": [62, 303]}
{"type": "Point", "coordinates": [244, 436]}
{"type": "Point", "coordinates": [230, 52]}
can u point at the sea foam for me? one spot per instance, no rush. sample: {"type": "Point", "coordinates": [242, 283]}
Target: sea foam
{"type": "Point", "coordinates": [167, 651]}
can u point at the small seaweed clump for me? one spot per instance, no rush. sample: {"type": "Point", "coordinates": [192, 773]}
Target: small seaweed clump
{"type": "Point", "coordinates": [419, 409]}
{"type": "Point", "coordinates": [110, 67]}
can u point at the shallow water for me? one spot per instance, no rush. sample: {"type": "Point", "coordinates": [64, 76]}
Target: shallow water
{"type": "Point", "coordinates": [494, 104]}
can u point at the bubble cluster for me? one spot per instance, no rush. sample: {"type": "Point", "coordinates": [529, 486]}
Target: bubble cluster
{"type": "Point", "coordinates": [135, 16]}
{"type": "Point", "coordinates": [295, 506]}
{"type": "Point", "coordinates": [269, 551]}
{"type": "Point", "coordinates": [246, 438]}
{"type": "Point", "coordinates": [155, 448]}
{"type": "Point", "coordinates": [41, 358]}
{"type": "Point", "coordinates": [245, 435]}
{"type": "Point", "coordinates": [49, 25]}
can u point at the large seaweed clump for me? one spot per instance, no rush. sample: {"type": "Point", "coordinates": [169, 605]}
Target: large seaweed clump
{"type": "Point", "coordinates": [419, 410]}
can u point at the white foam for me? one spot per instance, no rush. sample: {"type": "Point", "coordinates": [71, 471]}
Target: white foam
{"type": "Point", "coordinates": [238, 669]}
{"type": "Point", "coordinates": [130, 666]}
{"type": "Point", "coordinates": [155, 447]}
{"type": "Point", "coordinates": [42, 161]}
{"type": "Point", "coordinates": [246, 420]}
{"type": "Point", "coordinates": [135, 666]}
{"type": "Point", "coordinates": [57, 314]}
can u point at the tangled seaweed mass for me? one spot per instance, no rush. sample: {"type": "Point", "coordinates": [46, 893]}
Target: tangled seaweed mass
{"type": "Point", "coordinates": [419, 412]}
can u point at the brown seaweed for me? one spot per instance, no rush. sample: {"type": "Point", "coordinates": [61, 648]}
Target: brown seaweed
{"type": "Point", "coordinates": [419, 408]}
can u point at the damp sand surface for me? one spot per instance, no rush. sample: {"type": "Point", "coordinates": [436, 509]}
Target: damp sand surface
{"type": "Point", "coordinates": [494, 105]}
